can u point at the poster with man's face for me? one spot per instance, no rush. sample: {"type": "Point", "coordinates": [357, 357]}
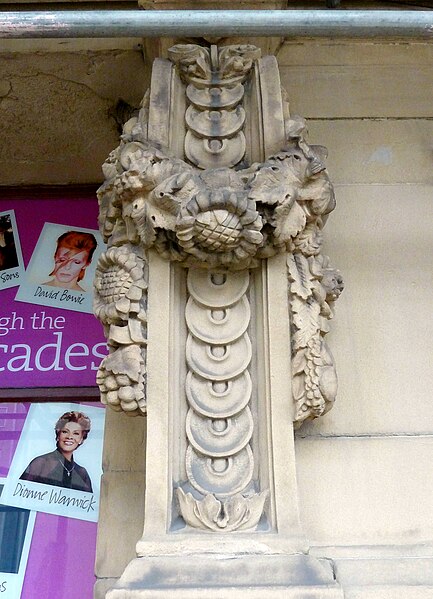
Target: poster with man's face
{"type": "Point", "coordinates": [56, 467]}
{"type": "Point", "coordinates": [11, 259]}
{"type": "Point", "coordinates": [62, 268]}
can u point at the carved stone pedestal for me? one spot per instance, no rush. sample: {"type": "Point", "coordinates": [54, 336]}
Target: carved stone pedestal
{"type": "Point", "coordinates": [227, 577]}
{"type": "Point", "coordinates": [215, 299]}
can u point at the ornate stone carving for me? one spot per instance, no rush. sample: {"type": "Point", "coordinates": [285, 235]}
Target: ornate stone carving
{"type": "Point", "coordinates": [215, 117]}
{"type": "Point", "coordinates": [314, 287]}
{"type": "Point", "coordinates": [215, 189]}
{"type": "Point", "coordinates": [216, 218]}
{"type": "Point", "coordinates": [120, 299]}
{"type": "Point", "coordinates": [219, 459]}
{"type": "Point", "coordinates": [237, 513]}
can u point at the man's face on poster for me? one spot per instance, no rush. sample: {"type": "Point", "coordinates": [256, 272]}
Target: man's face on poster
{"type": "Point", "coordinates": [68, 265]}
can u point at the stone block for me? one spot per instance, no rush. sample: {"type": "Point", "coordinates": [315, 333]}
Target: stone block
{"type": "Point", "coordinates": [368, 76]}
{"type": "Point", "coordinates": [124, 443]}
{"type": "Point", "coordinates": [399, 571]}
{"type": "Point", "coordinates": [364, 151]}
{"type": "Point", "coordinates": [389, 592]}
{"type": "Point", "coordinates": [366, 490]}
{"type": "Point", "coordinates": [122, 511]}
{"type": "Point", "coordinates": [379, 238]}
{"type": "Point", "coordinates": [61, 109]}
{"type": "Point", "coordinates": [226, 577]}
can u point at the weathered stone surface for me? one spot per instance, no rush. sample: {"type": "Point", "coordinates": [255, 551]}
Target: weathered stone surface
{"type": "Point", "coordinates": [239, 577]}
{"type": "Point", "coordinates": [368, 76]}
{"type": "Point", "coordinates": [381, 340]}
{"type": "Point", "coordinates": [121, 503]}
{"type": "Point", "coordinates": [49, 100]}
{"type": "Point", "coordinates": [376, 151]}
{"type": "Point", "coordinates": [371, 500]}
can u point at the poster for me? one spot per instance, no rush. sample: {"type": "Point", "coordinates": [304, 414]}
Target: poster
{"type": "Point", "coordinates": [52, 555]}
{"type": "Point", "coordinates": [16, 530]}
{"type": "Point", "coordinates": [11, 258]}
{"type": "Point", "coordinates": [62, 267]}
{"type": "Point", "coordinates": [57, 464]}
{"type": "Point", "coordinates": [51, 340]}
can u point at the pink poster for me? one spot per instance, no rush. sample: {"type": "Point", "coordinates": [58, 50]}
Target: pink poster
{"type": "Point", "coordinates": [43, 554]}
{"type": "Point", "coordinates": [48, 336]}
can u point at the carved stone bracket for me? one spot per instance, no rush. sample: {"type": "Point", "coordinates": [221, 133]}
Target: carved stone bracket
{"type": "Point", "coordinates": [216, 199]}
{"type": "Point", "coordinates": [230, 220]}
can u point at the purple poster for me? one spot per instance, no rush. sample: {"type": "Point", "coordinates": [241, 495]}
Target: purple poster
{"type": "Point", "coordinates": [48, 337]}
{"type": "Point", "coordinates": [42, 554]}
{"type": "Point", "coordinates": [57, 463]}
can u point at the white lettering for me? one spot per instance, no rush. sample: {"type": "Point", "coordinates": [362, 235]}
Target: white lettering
{"type": "Point", "coordinates": [25, 359]}
{"type": "Point", "coordinates": [55, 365]}
{"type": "Point", "coordinates": [76, 354]}
{"type": "Point", "coordinates": [96, 353]}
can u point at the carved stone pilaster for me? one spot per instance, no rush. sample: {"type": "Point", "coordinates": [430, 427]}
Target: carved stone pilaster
{"type": "Point", "coordinates": [215, 299]}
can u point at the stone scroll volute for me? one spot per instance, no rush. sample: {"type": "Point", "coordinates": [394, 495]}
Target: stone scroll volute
{"type": "Point", "coordinates": [211, 200]}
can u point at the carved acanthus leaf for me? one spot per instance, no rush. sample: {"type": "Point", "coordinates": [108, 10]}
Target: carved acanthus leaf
{"type": "Point", "coordinates": [210, 513]}
{"type": "Point", "coordinates": [199, 65]}
{"type": "Point", "coordinates": [302, 283]}
{"type": "Point", "coordinates": [306, 321]}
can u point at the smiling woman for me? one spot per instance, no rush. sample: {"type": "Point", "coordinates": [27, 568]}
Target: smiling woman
{"type": "Point", "coordinates": [58, 468]}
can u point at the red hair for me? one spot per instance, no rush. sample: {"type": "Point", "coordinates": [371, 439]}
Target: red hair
{"type": "Point", "coordinates": [80, 242]}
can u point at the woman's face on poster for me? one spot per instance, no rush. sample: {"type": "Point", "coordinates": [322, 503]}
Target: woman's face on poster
{"type": "Point", "coordinates": [68, 265]}
{"type": "Point", "coordinates": [70, 437]}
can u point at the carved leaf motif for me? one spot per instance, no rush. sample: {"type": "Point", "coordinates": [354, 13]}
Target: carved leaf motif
{"type": "Point", "coordinates": [298, 387]}
{"type": "Point", "coordinates": [320, 195]}
{"type": "Point", "coordinates": [306, 320]}
{"type": "Point", "coordinates": [210, 510]}
{"type": "Point", "coordinates": [193, 60]}
{"type": "Point", "coordinates": [237, 61]}
{"type": "Point", "coordinates": [302, 282]}
{"type": "Point", "coordinates": [237, 513]}
{"type": "Point", "coordinates": [299, 362]}
{"type": "Point", "coordinates": [290, 219]}
{"type": "Point", "coordinates": [269, 185]}
{"type": "Point", "coordinates": [121, 379]}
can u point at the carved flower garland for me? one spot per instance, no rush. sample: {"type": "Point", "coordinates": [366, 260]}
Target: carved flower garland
{"type": "Point", "coordinates": [119, 285]}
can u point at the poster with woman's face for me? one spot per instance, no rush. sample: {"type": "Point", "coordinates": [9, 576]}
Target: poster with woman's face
{"type": "Point", "coordinates": [62, 268]}
{"type": "Point", "coordinates": [11, 259]}
{"type": "Point", "coordinates": [57, 465]}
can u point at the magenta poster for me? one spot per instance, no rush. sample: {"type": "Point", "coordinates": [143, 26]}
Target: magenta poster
{"type": "Point", "coordinates": [49, 248]}
{"type": "Point", "coordinates": [45, 554]}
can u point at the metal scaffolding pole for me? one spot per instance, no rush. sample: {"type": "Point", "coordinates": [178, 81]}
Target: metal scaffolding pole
{"type": "Point", "coordinates": [217, 23]}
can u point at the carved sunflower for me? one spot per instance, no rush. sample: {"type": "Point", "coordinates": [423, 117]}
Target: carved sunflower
{"type": "Point", "coordinates": [119, 285]}
{"type": "Point", "coordinates": [220, 227]}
